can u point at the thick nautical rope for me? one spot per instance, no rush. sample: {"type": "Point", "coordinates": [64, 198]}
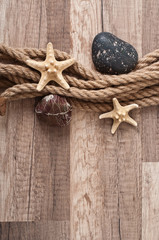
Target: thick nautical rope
{"type": "Point", "coordinates": [89, 89]}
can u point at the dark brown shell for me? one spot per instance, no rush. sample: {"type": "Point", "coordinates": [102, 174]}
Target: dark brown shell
{"type": "Point", "coordinates": [55, 110]}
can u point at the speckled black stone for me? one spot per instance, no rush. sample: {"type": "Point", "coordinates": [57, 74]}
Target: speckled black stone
{"type": "Point", "coordinates": [112, 55]}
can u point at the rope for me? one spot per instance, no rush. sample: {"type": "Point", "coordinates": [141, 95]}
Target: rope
{"type": "Point", "coordinates": [89, 89]}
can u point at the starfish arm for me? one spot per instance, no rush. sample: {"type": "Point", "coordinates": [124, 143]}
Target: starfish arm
{"type": "Point", "coordinates": [61, 81]}
{"type": "Point", "coordinates": [50, 52]}
{"type": "Point", "coordinates": [131, 121]}
{"type": "Point", "coordinates": [43, 81]}
{"type": "Point", "coordinates": [67, 63]}
{"type": "Point", "coordinates": [115, 126]}
{"type": "Point", "coordinates": [36, 65]}
{"type": "Point", "coordinates": [130, 107]}
{"type": "Point", "coordinates": [116, 104]}
{"type": "Point", "coordinates": [106, 115]}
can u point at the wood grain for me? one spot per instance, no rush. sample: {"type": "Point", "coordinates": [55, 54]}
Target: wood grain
{"type": "Point", "coordinates": [34, 158]}
{"type": "Point", "coordinates": [150, 116]}
{"type": "Point", "coordinates": [125, 21]}
{"type": "Point", "coordinates": [110, 208]}
{"type": "Point", "coordinates": [97, 194]}
{"type": "Point", "coordinates": [150, 203]}
{"type": "Point", "coordinates": [49, 195]}
{"type": "Point", "coordinates": [86, 187]}
{"type": "Point", "coordinates": [17, 144]}
{"type": "Point", "coordinates": [50, 230]}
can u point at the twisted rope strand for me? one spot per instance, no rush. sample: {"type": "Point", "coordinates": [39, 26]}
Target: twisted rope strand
{"type": "Point", "coordinates": [101, 95]}
{"type": "Point", "coordinates": [24, 89]}
{"type": "Point", "coordinates": [23, 54]}
{"type": "Point", "coordinates": [12, 70]}
{"type": "Point", "coordinates": [89, 89]}
{"type": "Point", "coordinates": [99, 108]}
{"type": "Point", "coordinates": [148, 59]}
{"type": "Point", "coordinates": [88, 106]}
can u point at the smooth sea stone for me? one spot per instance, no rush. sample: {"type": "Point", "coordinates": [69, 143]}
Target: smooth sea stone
{"type": "Point", "coordinates": [112, 55]}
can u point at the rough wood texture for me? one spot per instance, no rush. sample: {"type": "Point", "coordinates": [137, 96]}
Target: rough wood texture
{"type": "Point", "coordinates": [34, 166]}
{"type": "Point", "coordinates": [86, 186]}
{"type": "Point", "coordinates": [101, 196]}
{"type": "Point", "coordinates": [34, 158]}
{"type": "Point", "coordinates": [150, 203]}
{"type": "Point", "coordinates": [105, 169]}
{"type": "Point", "coordinates": [150, 117]}
{"type": "Point", "coordinates": [125, 21]}
{"type": "Point", "coordinates": [49, 230]}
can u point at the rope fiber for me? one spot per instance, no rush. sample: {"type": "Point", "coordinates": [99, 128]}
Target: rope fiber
{"type": "Point", "coordinates": [89, 90]}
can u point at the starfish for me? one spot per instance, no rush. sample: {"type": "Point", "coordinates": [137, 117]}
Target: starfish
{"type": "Point", "coordinates": [119, 114]}
{"type": "Point", "coordinates": [51, 69]}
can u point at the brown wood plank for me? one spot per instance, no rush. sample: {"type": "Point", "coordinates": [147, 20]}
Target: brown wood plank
{"type": "Point", "coordinates": [150, 117]}
{"type": "Point", "coordinates": [86, 186]}
{"type": "Point", "coordinates": [18, 125]}
{"type": "Point", "coordinates": [150, 203]}
{"type": "Point", "coordinates": [105, 189]}
{"type": "Point", "coordinates": [34, 158]}
{"type": "Point", "coordinates": [50, 230]}
{"type": "Point", "coordinates": [49, 197]}
{"type": "Point", "coordinates": [105, 169]}
{"type": "Point", "coordinates": [124, 19]}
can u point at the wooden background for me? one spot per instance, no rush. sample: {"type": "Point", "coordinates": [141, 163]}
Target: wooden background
{"type": "Point", "coordinates": [78, 182]}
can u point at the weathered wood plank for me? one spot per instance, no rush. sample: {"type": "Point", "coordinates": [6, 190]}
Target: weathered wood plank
{"type": "Point", "coordinates": [150, 203]}
{"type": "Point", "coordinates": [18, 125]}
{"type": "Point", "coordinates": [110, 208]}
{"type": "Point", "coordinates": [150, 118]}
{"type": "Point", "coordinates": [50, 230]}
{"type": "Point", "coordinates": [86, 186]}
{"type": "Point", "coordinates": [34, 158]}
{"type": "Point", "coordinates": [105, 170]}
{"type": "Point", "coordinates": [124, 19]}
{"type": "Point", "coordinates": [49, 197]}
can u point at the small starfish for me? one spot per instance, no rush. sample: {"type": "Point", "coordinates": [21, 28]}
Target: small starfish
{"type": "Point", "coordinates": [119, 114]}
{"type": "Point", "coordinates": [51, 69]}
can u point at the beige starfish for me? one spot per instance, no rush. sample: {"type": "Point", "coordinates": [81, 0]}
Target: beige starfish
{"type": "Point", "coordinates": [119, 114]}
{"type": "Point", "coordinates": [51, 69]}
